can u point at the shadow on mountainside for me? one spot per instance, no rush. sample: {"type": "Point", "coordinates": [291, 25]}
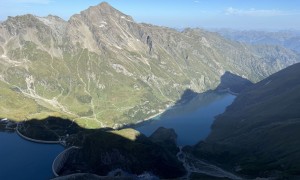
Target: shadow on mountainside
{"type": "Point", "coordinates": [229, 82]}
{"type": "Point", "coordinates": [258, 134]}
{"type": "Point", "coordinates": [233, 83]}
{"type": "Point", "coordinates": [191, 100]}
{"type": "Point", "coordinates": [104, 150]}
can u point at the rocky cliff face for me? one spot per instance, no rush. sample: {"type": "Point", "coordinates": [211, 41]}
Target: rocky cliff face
{"type": "Point", "coordinates": [100, 68]}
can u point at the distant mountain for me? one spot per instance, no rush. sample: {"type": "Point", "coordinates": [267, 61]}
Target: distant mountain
{"type": "Point", "coordinates": [100, 68]}
{"type": "Point", "coordinates": [288, 39]}
{"type": "Point", "coordinates": [259, 133]}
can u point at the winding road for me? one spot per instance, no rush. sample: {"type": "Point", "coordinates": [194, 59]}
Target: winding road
{"type": "Point", "coordinates": [194, 165]}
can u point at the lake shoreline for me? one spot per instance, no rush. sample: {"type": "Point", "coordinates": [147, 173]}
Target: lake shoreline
{"type": "Point", "coordinates": [36, 140]}
{"type": "Point", "coordinates": [191, 120]}
{"type": "Point", "coordinates": [34, 158]}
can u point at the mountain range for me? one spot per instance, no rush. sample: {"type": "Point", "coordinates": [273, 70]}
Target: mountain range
{"type": "Point", "coordinates": [102, 69]}
{"type": "Point", "coordinates": [288, 38]}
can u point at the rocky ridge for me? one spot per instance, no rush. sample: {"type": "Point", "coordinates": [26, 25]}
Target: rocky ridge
{"type": "Point", "coordinates": [100, 68]}
{"type": "Point", "coordinates": [257, 135]}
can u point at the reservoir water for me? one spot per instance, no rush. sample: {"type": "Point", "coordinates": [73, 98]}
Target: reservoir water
{"type": "Point", "coordinates": [192, 120]}
{"type": "Point", "coordinates": [22, 159]}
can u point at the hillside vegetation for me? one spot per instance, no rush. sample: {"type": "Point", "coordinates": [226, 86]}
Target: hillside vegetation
{"type": "Point", "coordinates": [102, 69]}
{"type": "Point", "coordinates": [259, 133]}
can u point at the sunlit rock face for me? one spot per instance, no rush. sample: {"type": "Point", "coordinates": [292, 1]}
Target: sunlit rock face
{"type": "Point", "coordinates": [100, 68]}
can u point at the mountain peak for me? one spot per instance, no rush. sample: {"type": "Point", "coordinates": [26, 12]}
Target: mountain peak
{"type": "Point", "coordinates": [103, 8]}
{"type": "Point", "coordinates": [103, 11]}
{"type": "Point", "coordinates": [105, 5]}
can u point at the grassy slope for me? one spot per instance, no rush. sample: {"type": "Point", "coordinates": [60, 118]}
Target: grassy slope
{"type": "Point", "coordinates": [259, 131]}
{"type": "Point", "coordinates": [118, 81]}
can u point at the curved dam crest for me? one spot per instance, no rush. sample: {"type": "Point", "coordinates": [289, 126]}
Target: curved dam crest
{"type": "Point", "coordinates": [48, 157]}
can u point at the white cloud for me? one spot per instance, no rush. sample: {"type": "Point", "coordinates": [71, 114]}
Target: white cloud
{"type": "Point", "coordinates": [255, 12]}
{"type": "Point", "coordinates": [196, 1]}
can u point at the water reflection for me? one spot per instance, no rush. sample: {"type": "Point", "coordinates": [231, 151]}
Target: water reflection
{"type": "Point", "coordinates": [191, 118]}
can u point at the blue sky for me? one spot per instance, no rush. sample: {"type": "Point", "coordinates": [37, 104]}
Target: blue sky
{"type": "Point", "coordinates": [237, 14]}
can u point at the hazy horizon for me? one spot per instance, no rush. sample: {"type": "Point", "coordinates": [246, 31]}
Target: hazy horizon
{"type": "Point", "coordinates": [214, 14]}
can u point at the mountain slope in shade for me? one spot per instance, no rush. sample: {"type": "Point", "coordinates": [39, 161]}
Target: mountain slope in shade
{"type": "Point", "coordinates": [112, 154]}
{"type": "Point", "coordinates": [233, 83]}
{"type": "Point", "coordinates": [100, 68]}
{"type": "Point", "coordinates": [259, 133]}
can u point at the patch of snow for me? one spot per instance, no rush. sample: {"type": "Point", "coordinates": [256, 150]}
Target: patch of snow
{"type": "Point", "coordinates": [118, 47]}
{"type": "Point", "coordinates": [103, 22]}
{"type": "Point", "coordinates": [136, 87]}
{"type": "Point", "coordinates": [123, 17]}
{"type": "Point", "coordinates": [3, 56]}
{"type": "Point", "coordinates": [45, 21]}
{"type": "Point", "coordinates": [121, 69]}
{"type": "Point", "coordinates": [101, 86]}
